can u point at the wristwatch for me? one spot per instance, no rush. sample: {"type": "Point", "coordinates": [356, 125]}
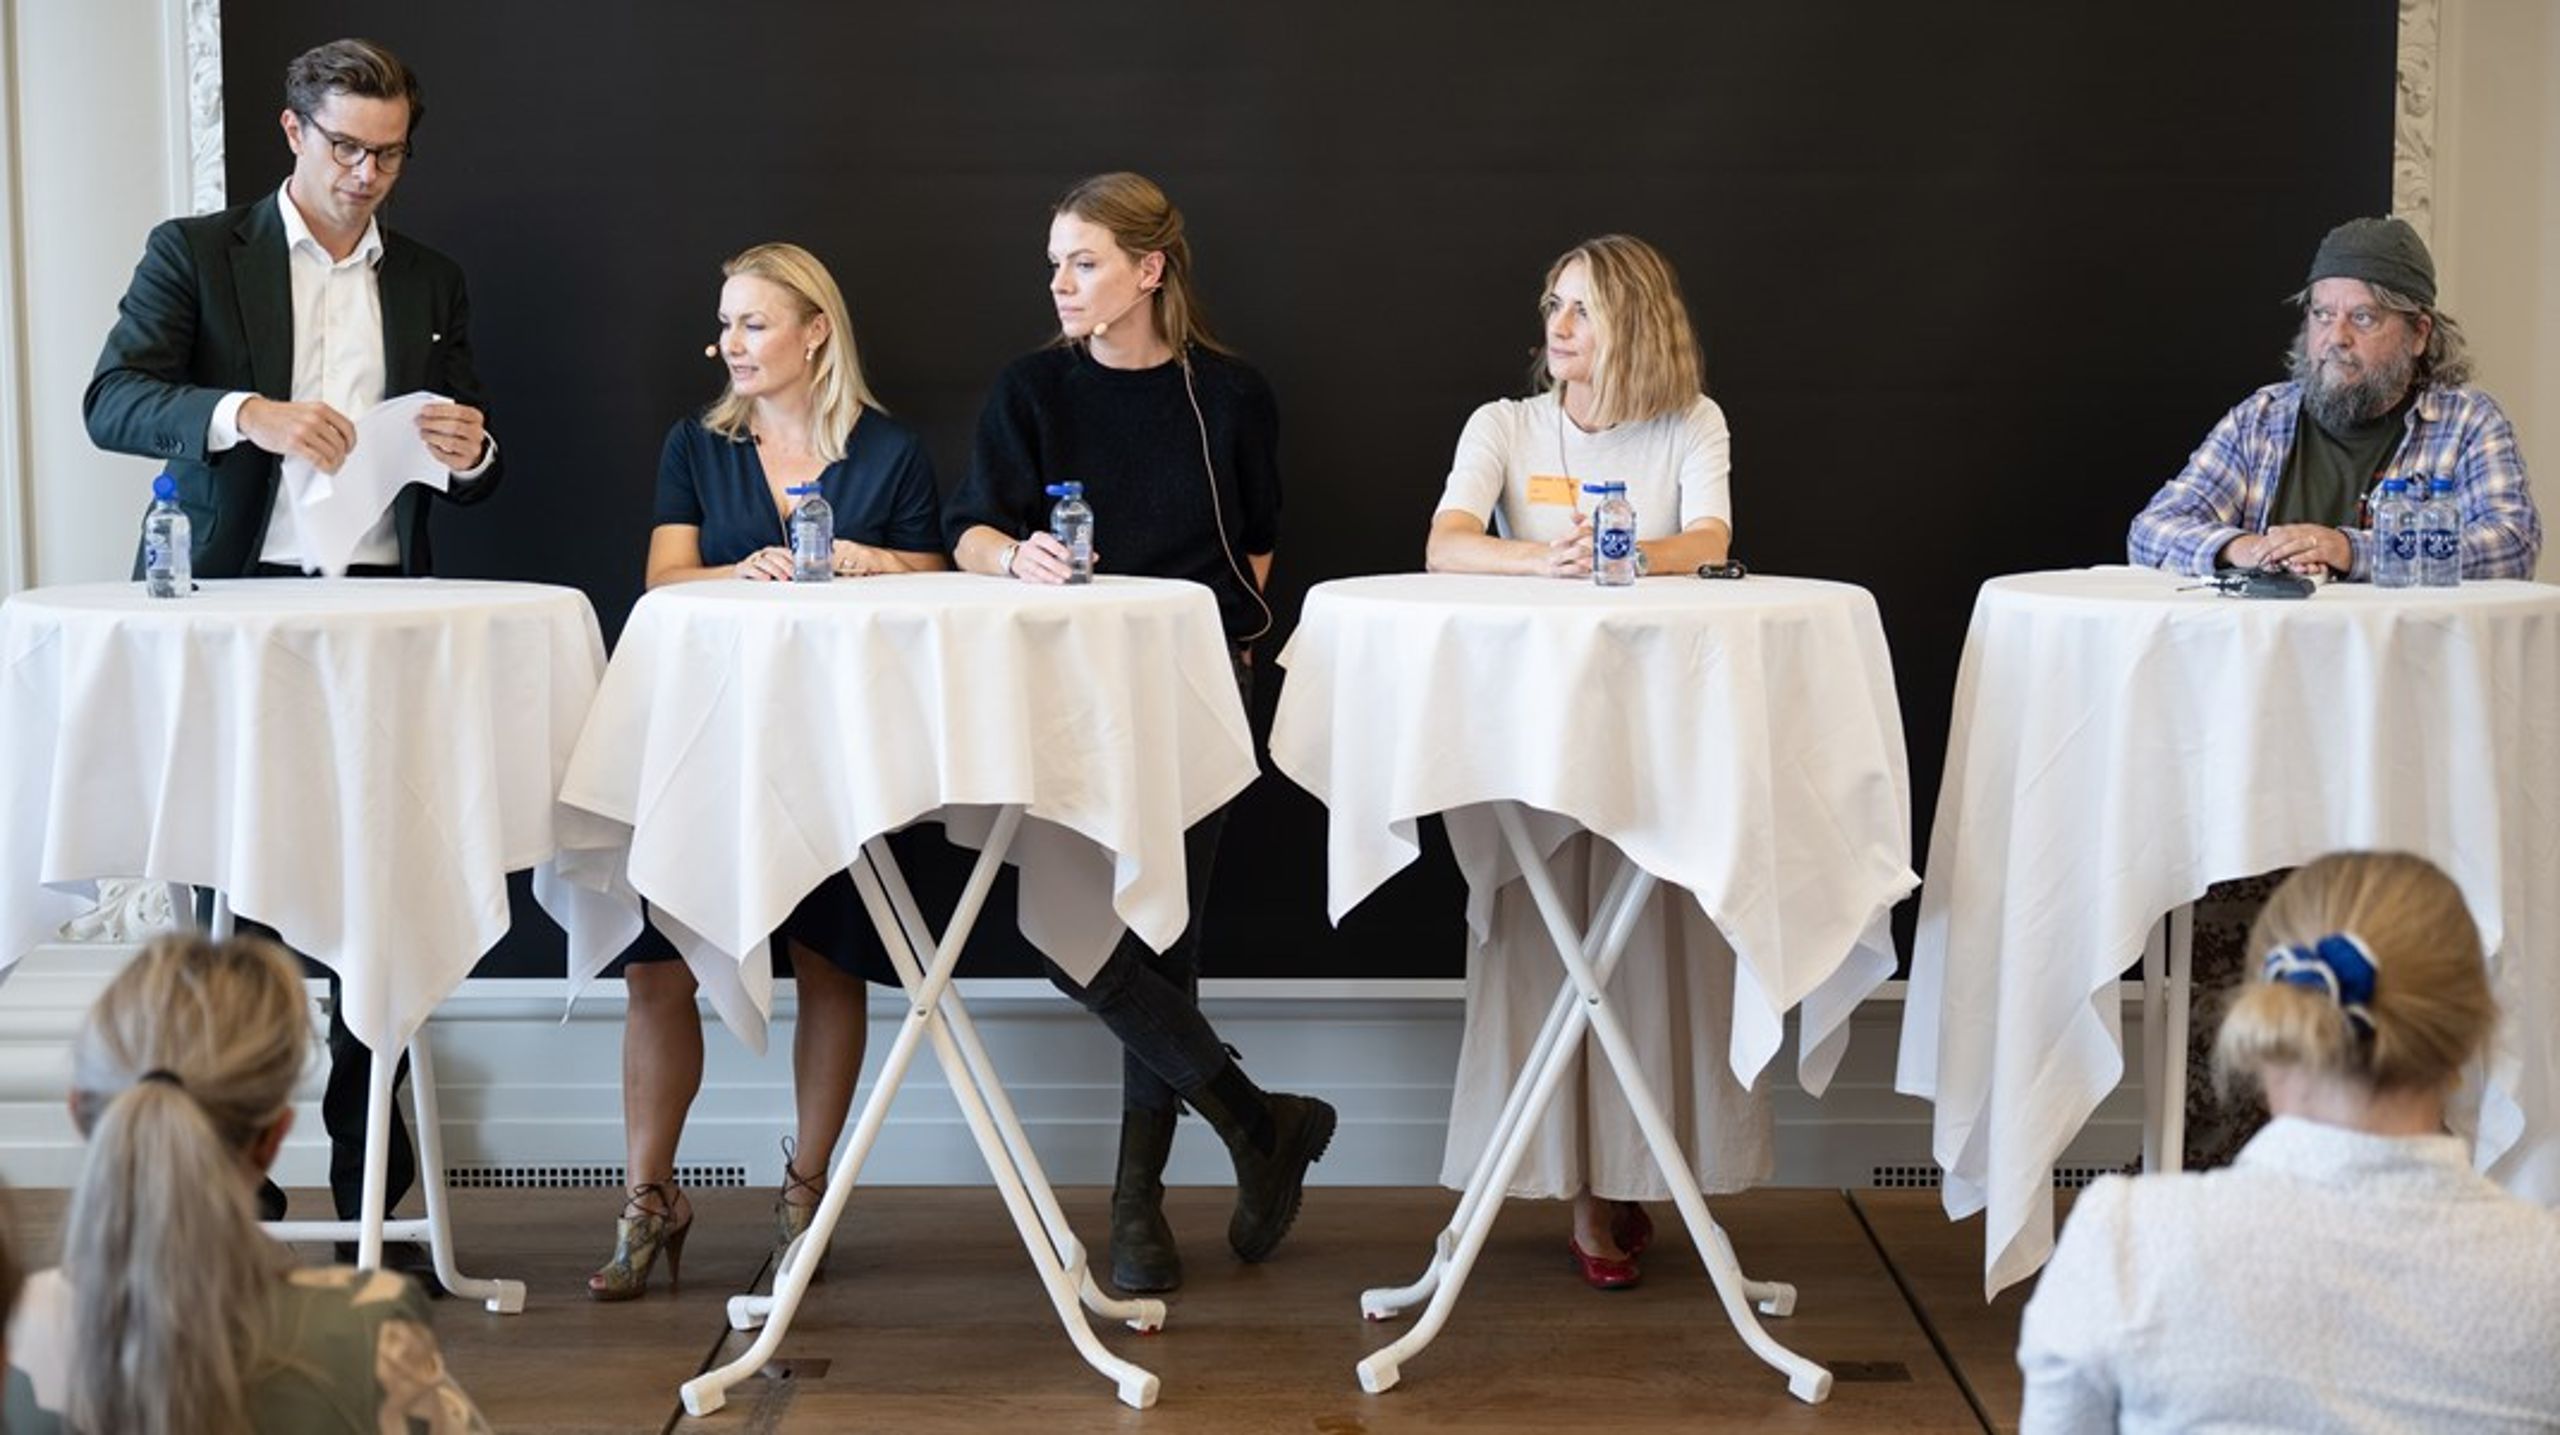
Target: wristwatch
{"type": "Point", "coordinates": [1004, 560]}
{"type": "Point", "coordinates": [1644, 565]}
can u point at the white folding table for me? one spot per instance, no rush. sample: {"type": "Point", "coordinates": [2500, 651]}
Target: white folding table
{"type": "Point", "coordinates": [750, 740]}
{"type": "Point", "coordinates": [356, 763]}
{"type": "Point", "coordinates": [2121, 741]}
{"type": "Point", "coordinates": [1739, 741]}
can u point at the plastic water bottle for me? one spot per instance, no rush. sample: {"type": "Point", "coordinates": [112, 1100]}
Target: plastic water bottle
{"type": "Point", "coordinates": [2395, 536]}
{"type": "Point", "coordinates": [813, 536]}
{"type": "Point", "coordinates": [1071, 523]}
{"type": "Point", "coordinates": [1613, 536]}
{"type": "Point", "coordinates": [2439, 537]}
{"type": "Point", "coordinates": [168, 544]}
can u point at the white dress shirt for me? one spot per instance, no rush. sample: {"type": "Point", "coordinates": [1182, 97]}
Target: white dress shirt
{"type": "Point", "coordinates": [337, 360]}
{"type": "Point", "coordinates": [2330, 1280]}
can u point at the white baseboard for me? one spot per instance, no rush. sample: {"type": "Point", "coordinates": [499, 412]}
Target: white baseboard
{"type": "Point", "coordinates": [520, 1084]}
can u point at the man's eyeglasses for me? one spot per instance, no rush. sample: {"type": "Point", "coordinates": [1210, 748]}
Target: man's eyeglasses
{"type": "Point", "coordinates": [350, 152]}
{"type": "Point", "coordinates": [2360, 318]}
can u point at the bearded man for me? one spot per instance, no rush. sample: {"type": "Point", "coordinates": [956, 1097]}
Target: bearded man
{"type": "Point", "coordinates": [2380, 389]}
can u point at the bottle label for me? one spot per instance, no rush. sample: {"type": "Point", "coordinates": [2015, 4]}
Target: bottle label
{"type": "Point", "coordinates": [2403, 544]}
{"type": "Point", "coordinates": [1617, 543]}
{"type": "Point", "coordinates": [2442, 544]}
{"type": "Point", "coordinates": [154, 556]}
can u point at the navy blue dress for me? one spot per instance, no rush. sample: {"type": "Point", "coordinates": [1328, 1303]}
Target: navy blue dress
{"type": "Point", "coordinates": [883, 494]}
{"type": "Point", "coordinates": [882, 491]}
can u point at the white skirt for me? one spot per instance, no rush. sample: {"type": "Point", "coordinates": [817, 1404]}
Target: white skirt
{"type": "Point", "coordinates": [1673, 992]}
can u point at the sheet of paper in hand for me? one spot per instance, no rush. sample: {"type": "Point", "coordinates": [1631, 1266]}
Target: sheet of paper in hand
{"type": "Point", "coordinates": [332, 512]}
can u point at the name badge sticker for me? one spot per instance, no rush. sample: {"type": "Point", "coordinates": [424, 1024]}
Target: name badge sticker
{"type": "Point", "coordinates": [1547, 490]}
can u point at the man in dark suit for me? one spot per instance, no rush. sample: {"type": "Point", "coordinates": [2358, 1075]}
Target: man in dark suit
{"type": "Point", "coordinates": [261, 333]}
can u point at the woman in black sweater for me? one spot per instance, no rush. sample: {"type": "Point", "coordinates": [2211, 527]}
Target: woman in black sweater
{"type": "Point", "coordinates": [1175, 441]}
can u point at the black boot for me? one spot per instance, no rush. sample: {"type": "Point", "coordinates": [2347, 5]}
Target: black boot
{"type": "Point", "coordinates": [1143, 1257]}
{"type": "Point", "coordinates": [1273, 1137]}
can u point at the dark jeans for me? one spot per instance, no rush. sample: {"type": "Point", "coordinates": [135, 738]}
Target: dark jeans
{"type": "Point", "coordinates": [1150, 999]}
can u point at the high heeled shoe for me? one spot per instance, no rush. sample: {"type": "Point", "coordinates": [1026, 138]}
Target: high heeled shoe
{"type": "Point", "coordinates": [649, 1225]}
{"type": "Point", "coordinates": [791, 1219]}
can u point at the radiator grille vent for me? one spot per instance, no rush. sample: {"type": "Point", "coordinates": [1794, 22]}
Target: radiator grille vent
{"type": "Point", "coordinates": [1930, 1177]}
{"type": "Point", "coordinates": [598, 1176]}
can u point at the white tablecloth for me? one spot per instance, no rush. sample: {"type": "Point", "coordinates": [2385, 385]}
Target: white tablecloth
{"type": "Point", "coordinates": [749, 737]}
{"type": "Point", "coordinates": [357, 763]}
{"type": "Point", "coordinates": [1739, 740]}
{"type": "Point", "coordinates": [2119, 744]}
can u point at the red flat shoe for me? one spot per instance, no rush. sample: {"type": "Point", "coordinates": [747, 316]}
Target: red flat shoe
{"type": "Point", "coordinates": [1631, 1228]}
{"type": "Point", "coordinates": [1602, 1272]}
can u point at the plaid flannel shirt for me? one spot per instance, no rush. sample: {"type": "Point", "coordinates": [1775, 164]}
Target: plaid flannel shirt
{"type": "Point", "coordinates": [2225, 489]}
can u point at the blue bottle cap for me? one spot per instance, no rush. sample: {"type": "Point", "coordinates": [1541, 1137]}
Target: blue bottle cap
{"type": "Point", "coordinates": [164, 488]}
{"type": "Point", "coordinates": [1066, 490]}
{"type": "Point", "coordinates": [1604, 488]}
{"type": "Point", "coordinates": [802, 488]}
{"type": "Point", "coordinates": [2395, 485]}
{"type": "Point", "coordinates": [2439, 485]}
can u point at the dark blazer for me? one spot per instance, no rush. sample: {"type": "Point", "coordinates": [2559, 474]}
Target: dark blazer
{"type": "Point", "coordinates": [210, 312]}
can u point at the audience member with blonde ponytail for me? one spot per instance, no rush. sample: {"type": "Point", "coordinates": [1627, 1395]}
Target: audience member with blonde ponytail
{"type": "Point", "coordinates": [172, 1313]}
{"type": "Point", "coordinates": [2351, 1271]}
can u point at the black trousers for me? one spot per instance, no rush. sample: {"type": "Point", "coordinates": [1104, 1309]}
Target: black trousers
{"type": "Point", "coordinates": [342, 1097]}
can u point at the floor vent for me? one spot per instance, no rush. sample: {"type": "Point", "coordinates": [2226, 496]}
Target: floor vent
{"type": "Point", "coordinates": [2072, 1178]}
{"type": "Point", "coordinates": [599, 1176]}
{"type": "Point", "coordinates": [1931, 1177]}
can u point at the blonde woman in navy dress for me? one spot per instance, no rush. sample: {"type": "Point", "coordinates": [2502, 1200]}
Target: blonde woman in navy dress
{"type": "Point", "coordinates": [795, 411]}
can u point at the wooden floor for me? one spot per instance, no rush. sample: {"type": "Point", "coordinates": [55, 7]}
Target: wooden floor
{"type": "Point", "coordinates": [930, 1320]}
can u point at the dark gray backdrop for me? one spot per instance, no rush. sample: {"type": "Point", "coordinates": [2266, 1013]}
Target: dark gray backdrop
{"type": "Point", "coordinates": [1972, 279]}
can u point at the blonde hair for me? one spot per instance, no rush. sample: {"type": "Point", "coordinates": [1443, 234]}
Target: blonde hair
{"type": "Point", "coordinates": [2431, 1009]}
{"type": "Point", "coordinates": [188, 1058]}
{"type": "Point", "coordinates": [838, 394]}
{"type": "Point", "coordinates": [1648, 366]}
{"type": "Point", "coordinates": [1142, 220]}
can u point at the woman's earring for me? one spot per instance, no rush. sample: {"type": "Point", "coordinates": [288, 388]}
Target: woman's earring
{"type": "Point", "coordinates": [810, 354]}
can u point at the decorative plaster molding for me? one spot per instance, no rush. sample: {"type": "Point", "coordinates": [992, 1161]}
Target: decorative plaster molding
{"type": "Point", "coordinates": [2413, 123]}
{"type": "Point", "coordinates": [129, 910]}
{"type": "Point", "coordinates": [206, 189]}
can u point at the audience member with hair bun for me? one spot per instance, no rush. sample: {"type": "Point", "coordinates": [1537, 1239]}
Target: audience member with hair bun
{"type": "Point", "coordinates": [172, 1312]}
{"type": "Point", "coordinates": [2351, 1271]}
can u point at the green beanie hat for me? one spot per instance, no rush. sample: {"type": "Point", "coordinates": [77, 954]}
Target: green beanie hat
{"type": "Point", "coordinates": [2378, 251]}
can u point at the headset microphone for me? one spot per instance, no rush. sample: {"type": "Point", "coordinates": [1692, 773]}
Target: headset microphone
{"type": "Point", "coordinates": [1103, 329]}
{"type": "Point", "coordinates": [711, 351]}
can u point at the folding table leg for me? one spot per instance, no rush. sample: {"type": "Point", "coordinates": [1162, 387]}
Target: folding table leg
{"type": "Point", "coordinates": [1806, 1380]}
{"type": "Point", "coordinates": [1387, 1302]}
{"type": "Point", "coordinates": [1055, 1252]}
{"type": "Point", "coordinates": [377, 1156]}
{"type": "Point", "coordinates": [1143, 1314]}
{"type": "Point", "coordinates": [2178, 990]}
{"type": "Point", "coordinates": [1458, 1247]}
{"type": "Point", "coordinates": [2155, 1058]}
{"type": "Point", "coordinates": [932, 1005]}
{"type": "Point", "coordinates": [499, 1297]}
{"type": "Point", "coordinates": [2168, 990]}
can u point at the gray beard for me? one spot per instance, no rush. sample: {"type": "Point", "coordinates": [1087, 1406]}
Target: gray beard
{"type": "Point", "coordinates": [2345, 403]}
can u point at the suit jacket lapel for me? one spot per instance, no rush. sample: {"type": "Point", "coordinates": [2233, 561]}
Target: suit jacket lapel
{"type": "Point", "coordinates": [264, 283]}
{"type": "Point", "coordinates": [406, 313]}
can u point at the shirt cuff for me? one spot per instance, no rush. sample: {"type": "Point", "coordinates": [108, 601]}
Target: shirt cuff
{"type": "Point", "coordinates": [224, 431]}
{"type": "Point", "coordinates": [488, 456]}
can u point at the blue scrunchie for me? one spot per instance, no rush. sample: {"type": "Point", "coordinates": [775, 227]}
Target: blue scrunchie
{"type": "Point", "coordinates": [2340, 966]}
